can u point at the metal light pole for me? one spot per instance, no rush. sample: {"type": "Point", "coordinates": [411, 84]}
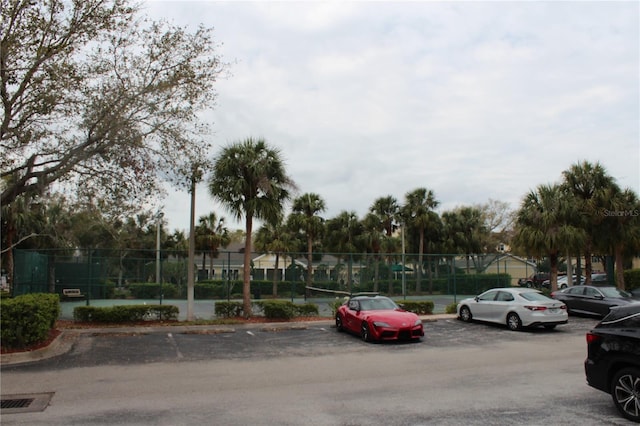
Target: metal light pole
{"type": "Point", "coordinates": [404, 284]}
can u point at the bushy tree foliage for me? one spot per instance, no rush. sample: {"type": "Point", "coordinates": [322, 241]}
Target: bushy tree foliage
{"type": "Point", "coordinates": [98, 97]}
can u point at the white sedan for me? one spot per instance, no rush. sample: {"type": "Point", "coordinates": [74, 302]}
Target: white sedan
{"type": "Point", "coordinates": [515, 307]}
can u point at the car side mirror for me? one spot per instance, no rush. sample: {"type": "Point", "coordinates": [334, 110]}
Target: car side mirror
{"type": "Point", "coordinates": [477, 299]}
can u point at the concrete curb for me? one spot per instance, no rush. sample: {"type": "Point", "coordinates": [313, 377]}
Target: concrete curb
{"type": "Point", "coordinates": [64, 342]}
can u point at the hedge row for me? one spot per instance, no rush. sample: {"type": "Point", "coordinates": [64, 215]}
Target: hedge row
{"type": "Point", "coordinates": [272, 309]}
{"type": "Point", "coordinates": [125, 313]}
{"type": "Point", "coordinates": [27, 319]}
{"type": "Point", "coordinates": [424, 307]}
{"type": "Point", "coordinates": [632, 279]}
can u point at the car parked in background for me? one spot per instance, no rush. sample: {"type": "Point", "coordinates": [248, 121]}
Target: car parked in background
{"type": "Point", "coordinates": [599, 279]}
{"type": "Point", "coordinates": [613, 358]}
{"type": "Point", "coordinates": [592, 300]}
{"type": "Point", "coordinates": [378, 318]}
{"type": "Point", "coordinates": [515, 307]}
{"type": "Point", "coordinates": [534, 280]}
{"type": "Point", "coordinates": [563, 281]}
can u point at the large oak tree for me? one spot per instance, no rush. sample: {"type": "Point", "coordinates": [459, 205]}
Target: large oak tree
{"type": "Point", "coordinates": [98, 97]}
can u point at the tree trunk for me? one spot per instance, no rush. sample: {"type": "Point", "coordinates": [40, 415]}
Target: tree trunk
{"type": "Point", "coordinates": [276, 276]}
{"type": "Point", "coordinates": [246, 269]}
{"type": "Point", "coordinates": [309, 262]}
{"type": "Point", "coordinates": [419, 269]}
{"type": "Point", "coordinates": [553, 261]}
{"type": "Point", "coordinates": [619, 269]}
{"type": "Point", "coordinates": [588, 265]}
{"type": "Point", "coordinates": [376, 272]}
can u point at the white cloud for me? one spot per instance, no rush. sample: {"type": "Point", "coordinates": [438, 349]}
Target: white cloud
{"type": "Point", "coordinates": [474, 100]}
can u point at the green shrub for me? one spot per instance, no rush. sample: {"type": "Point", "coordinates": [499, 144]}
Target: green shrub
{"type": "Point", "coordinates": [423, 307]}
{"type": "Point", "coordinates": [451, 308]}
{"type": "Point", "coordinates": [125, 313]}
{"type": "Point", "coordinates": [27, 319]}
{"type": "Point", "coordinates": [278, 309]}
{"type": "Point", "coordinates": [228, 309]}
{"type": "Point", "coordinates": [307, 310]}
{"type": "Point", "coordinates": [335, 304]}
{"type": "Point", "coordinates": [152, 290]}
{"type": "Point", "coordinates": [631, 279]}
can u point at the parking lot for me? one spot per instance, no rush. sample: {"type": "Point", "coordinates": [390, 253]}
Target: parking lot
{"type": "Point", "coordinates": [309, 374]}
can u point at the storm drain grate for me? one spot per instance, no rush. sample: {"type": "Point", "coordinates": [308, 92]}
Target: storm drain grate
{"type": "Point", "coordinates": [24, 403]}
{"type": "Point", "coordinates": [15, 403]}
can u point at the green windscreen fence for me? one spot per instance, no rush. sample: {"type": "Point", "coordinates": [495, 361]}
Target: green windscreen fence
{"type": "Point", "coordinates": [30, 272]}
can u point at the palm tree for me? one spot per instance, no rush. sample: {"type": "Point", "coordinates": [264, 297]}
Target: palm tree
{"type": "Point", "coordinates": [619, 226]}
{"type": "Point", "coordinates": [304, 218]}
{"type": "Point", "coordinates": [211, 233]}
{"type": "Point", "coordinates": [387, 209]}
{"type": "Point", "coordinates": [466, 230]}
{"type": "Point", "coordinates": [543, 228]}
{"type": "Point", "coordinates": [372, 236]}
{"type": "Point", "coordinates": [342, 238]}
{"type": "Point", "coordinates": [584, 180]}
{"type": "Point", "coordinates": [250, 180]}
{"type": "Point", "coordinates": [273, 237]}
{"type": "Point", "coordinates": [419, 203]}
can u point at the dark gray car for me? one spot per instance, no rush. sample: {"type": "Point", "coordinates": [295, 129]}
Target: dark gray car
{"type": "Point", "coordinates": [592, 300]}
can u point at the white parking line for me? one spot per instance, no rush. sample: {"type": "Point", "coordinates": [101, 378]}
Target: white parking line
{"type": "Point", "coordinates": [175, 345]}
{"type": "Point", "coordinates": [250, 333]}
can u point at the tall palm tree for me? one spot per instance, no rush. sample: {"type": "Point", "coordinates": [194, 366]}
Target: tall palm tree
{"type": "Point", "coordinates": [250, 180]}
{"type": "Point", "coordinates": [387, 209]}
{"type": "Point", "coordinates": [304, 218]}
{"type": "Point", "coordinates": [373, 236]}
{"type": "Point", "coordinates": [584, 180]}
{"type": "Point", "coordinates": [379, 226]}
{"type": "Point", "coordinates": [274, 237]}
{"type": "Point", "coordinates": [419, 203]}
{"type": "Point", "coordinates": [543, 228]}
{"type": "Point", "coordinates": [466, 229]}
{"type": "Point", "coordinates": [342, 238]}
{"type": "Point", "coordinates": [211, 234]}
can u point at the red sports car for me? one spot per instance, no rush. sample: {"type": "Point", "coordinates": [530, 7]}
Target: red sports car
{"type": "Point", "coordinates": [378, 318]}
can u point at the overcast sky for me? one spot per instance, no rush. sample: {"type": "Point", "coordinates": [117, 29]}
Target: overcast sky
{"type": "Point", "coordinates": [473, 100]}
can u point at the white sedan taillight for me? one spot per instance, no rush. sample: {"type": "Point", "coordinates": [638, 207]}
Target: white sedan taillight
{"type": "Point", "coordinates": [536, 308]}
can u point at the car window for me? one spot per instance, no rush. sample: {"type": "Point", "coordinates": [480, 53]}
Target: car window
{"type": "Point", "coordinates": [614, 292]}
{"type": "Point", "coordinates": [503, 296]}
{"type": "Point", "coordinates": [353, 304]}
{"type": "Point", "coordinates": [489, 295]}
{"type": "Point", "coordinates": [534, 296]}
{"type": "Point", "coordinates": [592, 292]}
{"type": "Point", "coordinates": [576, 290]}
{"type": "Point", "coordinates": [377, 304]}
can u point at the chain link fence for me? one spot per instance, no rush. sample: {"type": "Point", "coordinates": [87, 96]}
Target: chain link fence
{"type": "Point", "coordinates": [107, 274]}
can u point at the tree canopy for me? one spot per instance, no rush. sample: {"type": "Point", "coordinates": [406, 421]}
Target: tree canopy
{"type": "Point", "coordinates": [97, 97]}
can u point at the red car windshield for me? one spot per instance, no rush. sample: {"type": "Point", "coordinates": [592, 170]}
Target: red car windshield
{"type": "Point", "coordinates": [377, 304]}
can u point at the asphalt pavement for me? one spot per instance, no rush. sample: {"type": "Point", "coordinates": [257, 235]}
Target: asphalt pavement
{"type": "Point", "coordinates": [65, 341]}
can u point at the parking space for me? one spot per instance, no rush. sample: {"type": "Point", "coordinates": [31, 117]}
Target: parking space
{"type": "Point", "coordinates": [139, 346]}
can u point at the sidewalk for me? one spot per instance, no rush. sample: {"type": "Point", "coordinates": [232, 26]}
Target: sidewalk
{"type": "Point", "coordinates": [64, 342]}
